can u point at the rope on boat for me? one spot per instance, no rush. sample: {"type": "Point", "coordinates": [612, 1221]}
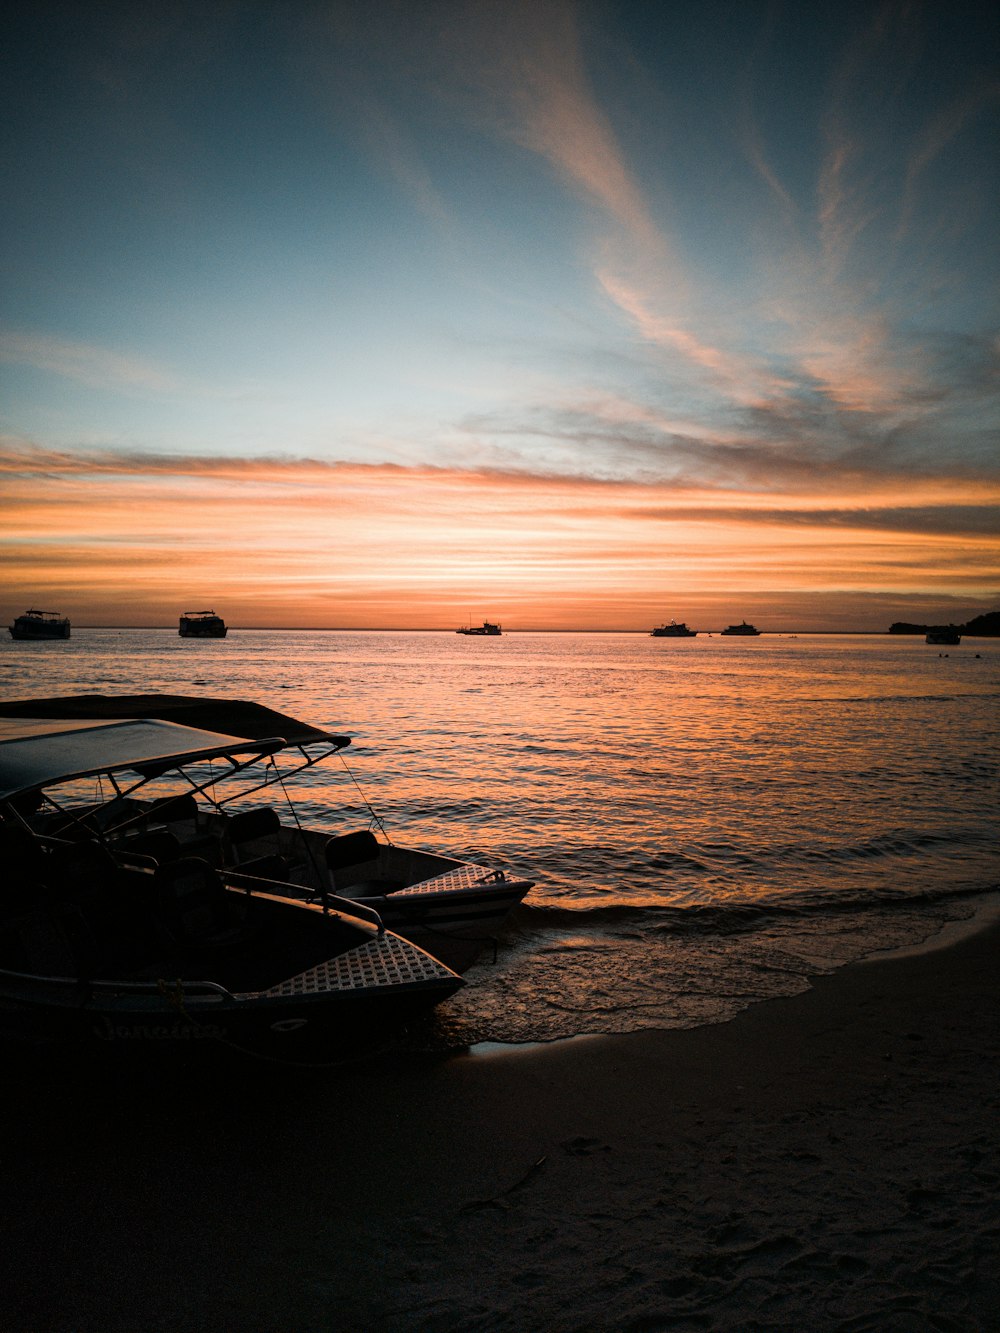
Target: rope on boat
{"type": "Point", "coordinates": [375, 818]}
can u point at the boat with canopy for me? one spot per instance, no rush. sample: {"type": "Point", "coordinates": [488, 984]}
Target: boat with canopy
{"type": "Point", "coordinates": [104, 944]}
{"type": "Point", "coordinates": [451, 907]}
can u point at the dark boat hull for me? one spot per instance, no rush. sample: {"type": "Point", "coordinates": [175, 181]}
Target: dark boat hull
{"type": "Point", "coordinates": [203, 632]}
{"type": "Point", "coordinates": [28, 633]}
{"type": "Point", "coordinates": [453, 926]}
{"type": "Point", "coordinates": [66, 1017]}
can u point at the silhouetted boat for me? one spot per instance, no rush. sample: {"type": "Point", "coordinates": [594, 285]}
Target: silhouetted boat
{"type": "Point", "coordinates": [742, 629]}
{"type": "Point", "coordinates": [103, 943]}
{"type": "Point", "coordinates": [674, 631]}
{"type": "Point", "coordinates": [449, 907]}
{"type": "Point", "coordinates": [944, 634]}
{"type": "Point", "coordinates": [486, 628]}
{"type": "Point", "coordinates": [201, 625]}
{"type": "Point", "coordinates": [40, 625]}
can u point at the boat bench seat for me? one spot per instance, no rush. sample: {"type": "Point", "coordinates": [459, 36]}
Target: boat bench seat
{"type": "Point", "coordinates": [261, 827]}
{"type": "Point", "coordinates": [349, 851]}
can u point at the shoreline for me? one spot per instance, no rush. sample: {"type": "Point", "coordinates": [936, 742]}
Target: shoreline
{"type": "Point", "coordinates": [824, 1160]}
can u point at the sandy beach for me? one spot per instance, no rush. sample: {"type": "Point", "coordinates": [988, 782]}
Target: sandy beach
{"type": "Point", "coordinates": [824, 1161]}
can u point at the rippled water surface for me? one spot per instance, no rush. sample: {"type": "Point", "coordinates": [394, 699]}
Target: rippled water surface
{"type": "Point", "coordinates": [708, 820]}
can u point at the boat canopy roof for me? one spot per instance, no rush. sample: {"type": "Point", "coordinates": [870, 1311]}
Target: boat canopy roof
{"type": "Point", "coordinates": [35, 753]}
{"type": "Point", "coordinates": [232, 717]}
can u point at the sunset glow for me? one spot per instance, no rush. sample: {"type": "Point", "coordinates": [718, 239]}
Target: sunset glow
{"type": "Point", "coordinates": [571, 316]}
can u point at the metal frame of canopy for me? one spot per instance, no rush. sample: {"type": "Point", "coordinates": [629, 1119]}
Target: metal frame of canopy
{"type": "Point", "coordinates": [245, 727]}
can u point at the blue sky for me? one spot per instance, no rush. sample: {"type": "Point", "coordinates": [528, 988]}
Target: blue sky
{"type": "Point", "coordinates": [740, 257]}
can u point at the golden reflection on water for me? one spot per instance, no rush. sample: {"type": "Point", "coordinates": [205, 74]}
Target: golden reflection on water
{"type": "Point", "coordinates": [657, 791]}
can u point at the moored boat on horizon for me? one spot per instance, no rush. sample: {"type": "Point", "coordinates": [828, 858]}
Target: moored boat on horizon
{"type": "Point", "coordinates": [488, 628]}
{"type": "Point", "coordinates": [674, 630]}
{"type": "Point", "coordinates": [744, 629]}
{"type": "Point", "coordinates": [944, 634]}
{"type": "Point", "coordinates": [40, 625]}
{"type": "Point", "coordinates": [201, 625]}
{"type": "Point", "coordinates": [103, 944]}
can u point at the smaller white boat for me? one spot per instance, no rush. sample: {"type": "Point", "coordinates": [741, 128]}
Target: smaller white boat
{"type": "Point", "coordinates": [947, 634]}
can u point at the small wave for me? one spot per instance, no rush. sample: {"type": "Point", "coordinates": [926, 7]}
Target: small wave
{"type": "Point", "coordinates": [726, 918]}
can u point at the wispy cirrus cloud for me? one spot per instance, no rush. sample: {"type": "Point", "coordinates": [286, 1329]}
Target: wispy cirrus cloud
{"type": "Point", "coordinates": [97, 367]}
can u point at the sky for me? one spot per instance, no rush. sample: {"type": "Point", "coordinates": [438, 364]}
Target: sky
{"type": "Point", "coordinates": [570, 315]}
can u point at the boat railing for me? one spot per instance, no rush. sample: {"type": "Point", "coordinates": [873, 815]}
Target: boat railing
{"type": "Point", "coordinates": [183, 989]}
{"type": "Point", "coordinates": [329, 902]}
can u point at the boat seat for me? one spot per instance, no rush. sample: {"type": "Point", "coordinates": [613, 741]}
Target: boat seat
{"type": "Point", "coordinates": [192, 903]}
{"type": "Point", "coordinates": [252, 824]}
{"type": "Point", "coordinates": [255, 826]}
{"type": "Point", "coordinates": [172, 809]}
{"type": "Point", "coordinates": [353, 849]}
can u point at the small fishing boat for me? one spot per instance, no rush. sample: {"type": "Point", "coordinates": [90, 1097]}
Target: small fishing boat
{"type": "Point", "coordinates": [40, 625]}
{"type": "Point", "coordinates": [674, 631]}
{"type": "Point", "coordinates": [201, 625]}
{"type": "Point", "coordinates": [102, 944]}
{"type": "Point", "coordinates": [743, 629]}
{"type": "Point", "coordinates": [486, 628]}
{"type": "Point", "coordinates": [450, 907]}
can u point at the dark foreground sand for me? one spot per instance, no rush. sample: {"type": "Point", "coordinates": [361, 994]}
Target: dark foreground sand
{"type": "Point", "coordinates": [828, 1161]}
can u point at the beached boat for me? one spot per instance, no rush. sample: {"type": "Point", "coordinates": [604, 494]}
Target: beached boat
{"type": "Point", "coordinates": [747, 631]}
{"type": "Point", "coordinates": [201, 625]}
{"type": "Point", "coordinates": [674, 631]}
{"type": "Point", "coordinates": [40, 625]}
{"type": "Point", "coordinates": [102, 943]}
{"type": "Point", "coordinates": [486, 628]}
{"type": "Point", "coordinates": [451, 908]}
{"type": "Point", "coordinates": [944, 634]}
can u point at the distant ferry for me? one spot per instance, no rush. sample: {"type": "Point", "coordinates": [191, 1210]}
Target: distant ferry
{"type": "Point", "coordinates": [743, 628]}
{"type": "Point", "coordinates": [40, 625]}
{"type": "Point", "coordinates": [202, 625]}
{"type": "Point", "coordinates": [674, 631]}
{"type": "Point", "coordinates": [487, 627]}
{"type": "Point", "coordinates": [944, 634]}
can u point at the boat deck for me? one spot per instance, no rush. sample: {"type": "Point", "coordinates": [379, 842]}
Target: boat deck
{"type": "Point", "coordinates": [388, 961]}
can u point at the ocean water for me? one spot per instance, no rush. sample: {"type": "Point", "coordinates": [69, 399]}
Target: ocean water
{"type": "Point", "coordinates": [708, 821]}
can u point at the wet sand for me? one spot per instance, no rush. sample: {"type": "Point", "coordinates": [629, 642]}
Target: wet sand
{"type": "Point", "coordinates": [826, 1161]}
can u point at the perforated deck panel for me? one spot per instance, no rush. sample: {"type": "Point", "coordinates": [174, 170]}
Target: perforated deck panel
{"type": "Point", "coordinates": [386, 961]}
{"type": "Point", "coordinates": [462, 877]}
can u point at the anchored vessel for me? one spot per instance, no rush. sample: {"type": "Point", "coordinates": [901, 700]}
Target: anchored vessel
{"type": "Point", "coordinates": [944, 634]}
{"type": "Point", "coordinates": [742, 629]}
{"type": "Point", "coordinates": [103, 943]}
{"type": "Point", "coordinates": [674, 631]}
{"type": "Point", "coordinates": [487, 627]}
{"type": "Point", "coordinates": [202, 625]}
{"type": "Point", "coordinates": [40, 625]}
{"type": "Point", "coordinates": [449, 907]}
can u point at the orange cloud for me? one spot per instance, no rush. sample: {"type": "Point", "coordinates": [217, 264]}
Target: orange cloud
{"type": "Point", "coordinates": [272, 542]}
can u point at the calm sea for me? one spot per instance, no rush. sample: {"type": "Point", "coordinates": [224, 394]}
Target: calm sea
{"type": "Point", "coordinates": [709, 821]}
